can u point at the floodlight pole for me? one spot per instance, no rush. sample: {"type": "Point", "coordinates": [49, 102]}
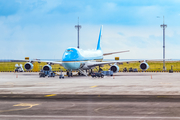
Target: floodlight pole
{"type": "Point", "coordinates": [163, 26]}
{"type": "Point", "coordinates": [78, 28]}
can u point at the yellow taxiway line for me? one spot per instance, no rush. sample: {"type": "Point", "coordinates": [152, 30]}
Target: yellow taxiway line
{"type": "Point", "coordinates": [93, 86]}
{"type": "Point", "coordinates": [50, 95]}
{"type": "Point", "coordinates": [21, 104]}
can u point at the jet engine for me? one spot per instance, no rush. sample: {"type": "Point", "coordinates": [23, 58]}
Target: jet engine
{"type": "Point", "coordinates": [47, 68]}
{"type": "Point", "coordinates": [144, 66]}
{"type": "Point", "coordinates": [28, 66]}
{"type": "Point", "coordinates": [114, 68]}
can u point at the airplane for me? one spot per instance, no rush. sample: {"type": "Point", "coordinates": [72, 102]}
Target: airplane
{"type": "Point", "coordinates": [75, 59]}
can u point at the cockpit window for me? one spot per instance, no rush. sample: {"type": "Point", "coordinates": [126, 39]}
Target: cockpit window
{"type": "Point", "coordinates": [69, 50]}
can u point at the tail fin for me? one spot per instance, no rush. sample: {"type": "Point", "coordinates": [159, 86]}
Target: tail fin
{"type": "Point", "coordinates": [99, 40]}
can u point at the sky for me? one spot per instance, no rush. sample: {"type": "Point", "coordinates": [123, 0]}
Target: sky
{"type": "Point", "coordinates": [43, 29]}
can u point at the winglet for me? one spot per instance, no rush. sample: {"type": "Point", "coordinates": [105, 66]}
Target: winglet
{"type": "Point", "coordinates": [99, 40]}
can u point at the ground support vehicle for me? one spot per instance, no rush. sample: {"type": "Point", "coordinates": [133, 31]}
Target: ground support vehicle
{"type": "Point", "coordinates": [135, 70]}
{"type": "Point", "coordinates": [130, 70]}
{"type": "Point", "coordinates": [97, 75]}
{"type": "Point", "coordinates": [51, 74]}
{"type": "Point", "coordinates": [171, 71]}
{"type": "Point", "coordinates": [107, 73]}
{"type": "Point", "coordinates": [61, 76]}
{"type": "Point", "coordinates": [125, 69]}
{"type": "Point", "coordinates": [42, 74]}
{"type": "Point", "coordinates": [19, 69]}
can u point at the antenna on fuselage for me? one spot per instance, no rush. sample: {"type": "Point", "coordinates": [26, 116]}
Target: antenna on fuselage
{"type": "Point", "coordinates": [78, 28]}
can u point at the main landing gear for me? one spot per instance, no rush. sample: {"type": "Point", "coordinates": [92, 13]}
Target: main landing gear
{"type": "Point", "coordinates": [90, 71]}
{"type": "Point", "coordinates": [69, 73]}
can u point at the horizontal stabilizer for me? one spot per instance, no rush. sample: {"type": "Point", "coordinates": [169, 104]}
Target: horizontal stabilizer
{"type": "Point", "coordinates": [115, 52]}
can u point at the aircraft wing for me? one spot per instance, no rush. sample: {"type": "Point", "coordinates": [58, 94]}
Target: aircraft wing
{"type": "Point", "coordinates": [115, 52]}
{"type": "Point", "coordinates": [93, 64]}
{"type": "Point", "coordinates": [39, 61]}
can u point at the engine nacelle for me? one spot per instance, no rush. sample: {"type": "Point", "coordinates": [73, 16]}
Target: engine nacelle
{"type": "Point", "coordinates": [144, 66]}
{"type": "Point", "coordinates": [47, 68]}
{"type": "Point", "coordinates": [114, 68]}
{"type": "Point", "coordinates": [28, 66]}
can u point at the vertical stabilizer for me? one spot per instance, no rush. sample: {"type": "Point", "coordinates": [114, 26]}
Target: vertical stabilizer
{"type": "Point", "coordinates": [99, 40]}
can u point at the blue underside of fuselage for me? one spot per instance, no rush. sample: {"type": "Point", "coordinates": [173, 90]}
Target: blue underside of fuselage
{"type": "Point", "coordinates": [72, 59]}
{"type": "Point", "coordinates": [71, 65]}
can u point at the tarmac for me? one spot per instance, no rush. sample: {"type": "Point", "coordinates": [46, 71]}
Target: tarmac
{"type": "Point", "coordinates": [119, 84]}
{"type": "Point", "coordinates": [125, 96]}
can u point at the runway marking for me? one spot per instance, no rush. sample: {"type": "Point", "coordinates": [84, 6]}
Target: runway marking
{"type": "Point", "coordinates": [26, 104]}
{"type": "Point", "coordinates": [21, 104]}
{"type": "Point", "coordinates": [93, 86]}
{"type": "Point", "coordinates": [73, 104]}
{"type": "Point", "coordinates": [50, 95]}
{"type": "Point", "coordinates": [98, 109]}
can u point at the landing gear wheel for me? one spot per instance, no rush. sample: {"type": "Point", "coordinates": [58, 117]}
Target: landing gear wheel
{"type": "Point", "coordinates": [71, 74]}
{"type": "Point", "coordinates": [67, 73]}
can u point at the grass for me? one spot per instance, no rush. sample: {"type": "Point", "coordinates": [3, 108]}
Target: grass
{"type": "Point", "coordinates": [10, 66]}
{"type": "Point", "coordinates": [153, 66]}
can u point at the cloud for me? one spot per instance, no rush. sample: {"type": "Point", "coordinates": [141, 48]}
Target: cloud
{"type": "Point", "coordinates": [143, 43]}
{"type": "Point", "coordinates": [45, 28]}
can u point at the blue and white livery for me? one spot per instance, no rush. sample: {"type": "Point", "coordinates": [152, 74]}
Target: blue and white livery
{"type": "Point", "coordinates": [75, 59]}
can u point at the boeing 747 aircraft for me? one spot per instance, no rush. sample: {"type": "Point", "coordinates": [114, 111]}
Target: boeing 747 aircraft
{"type": "Point", "coordinates": [75, 59]}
